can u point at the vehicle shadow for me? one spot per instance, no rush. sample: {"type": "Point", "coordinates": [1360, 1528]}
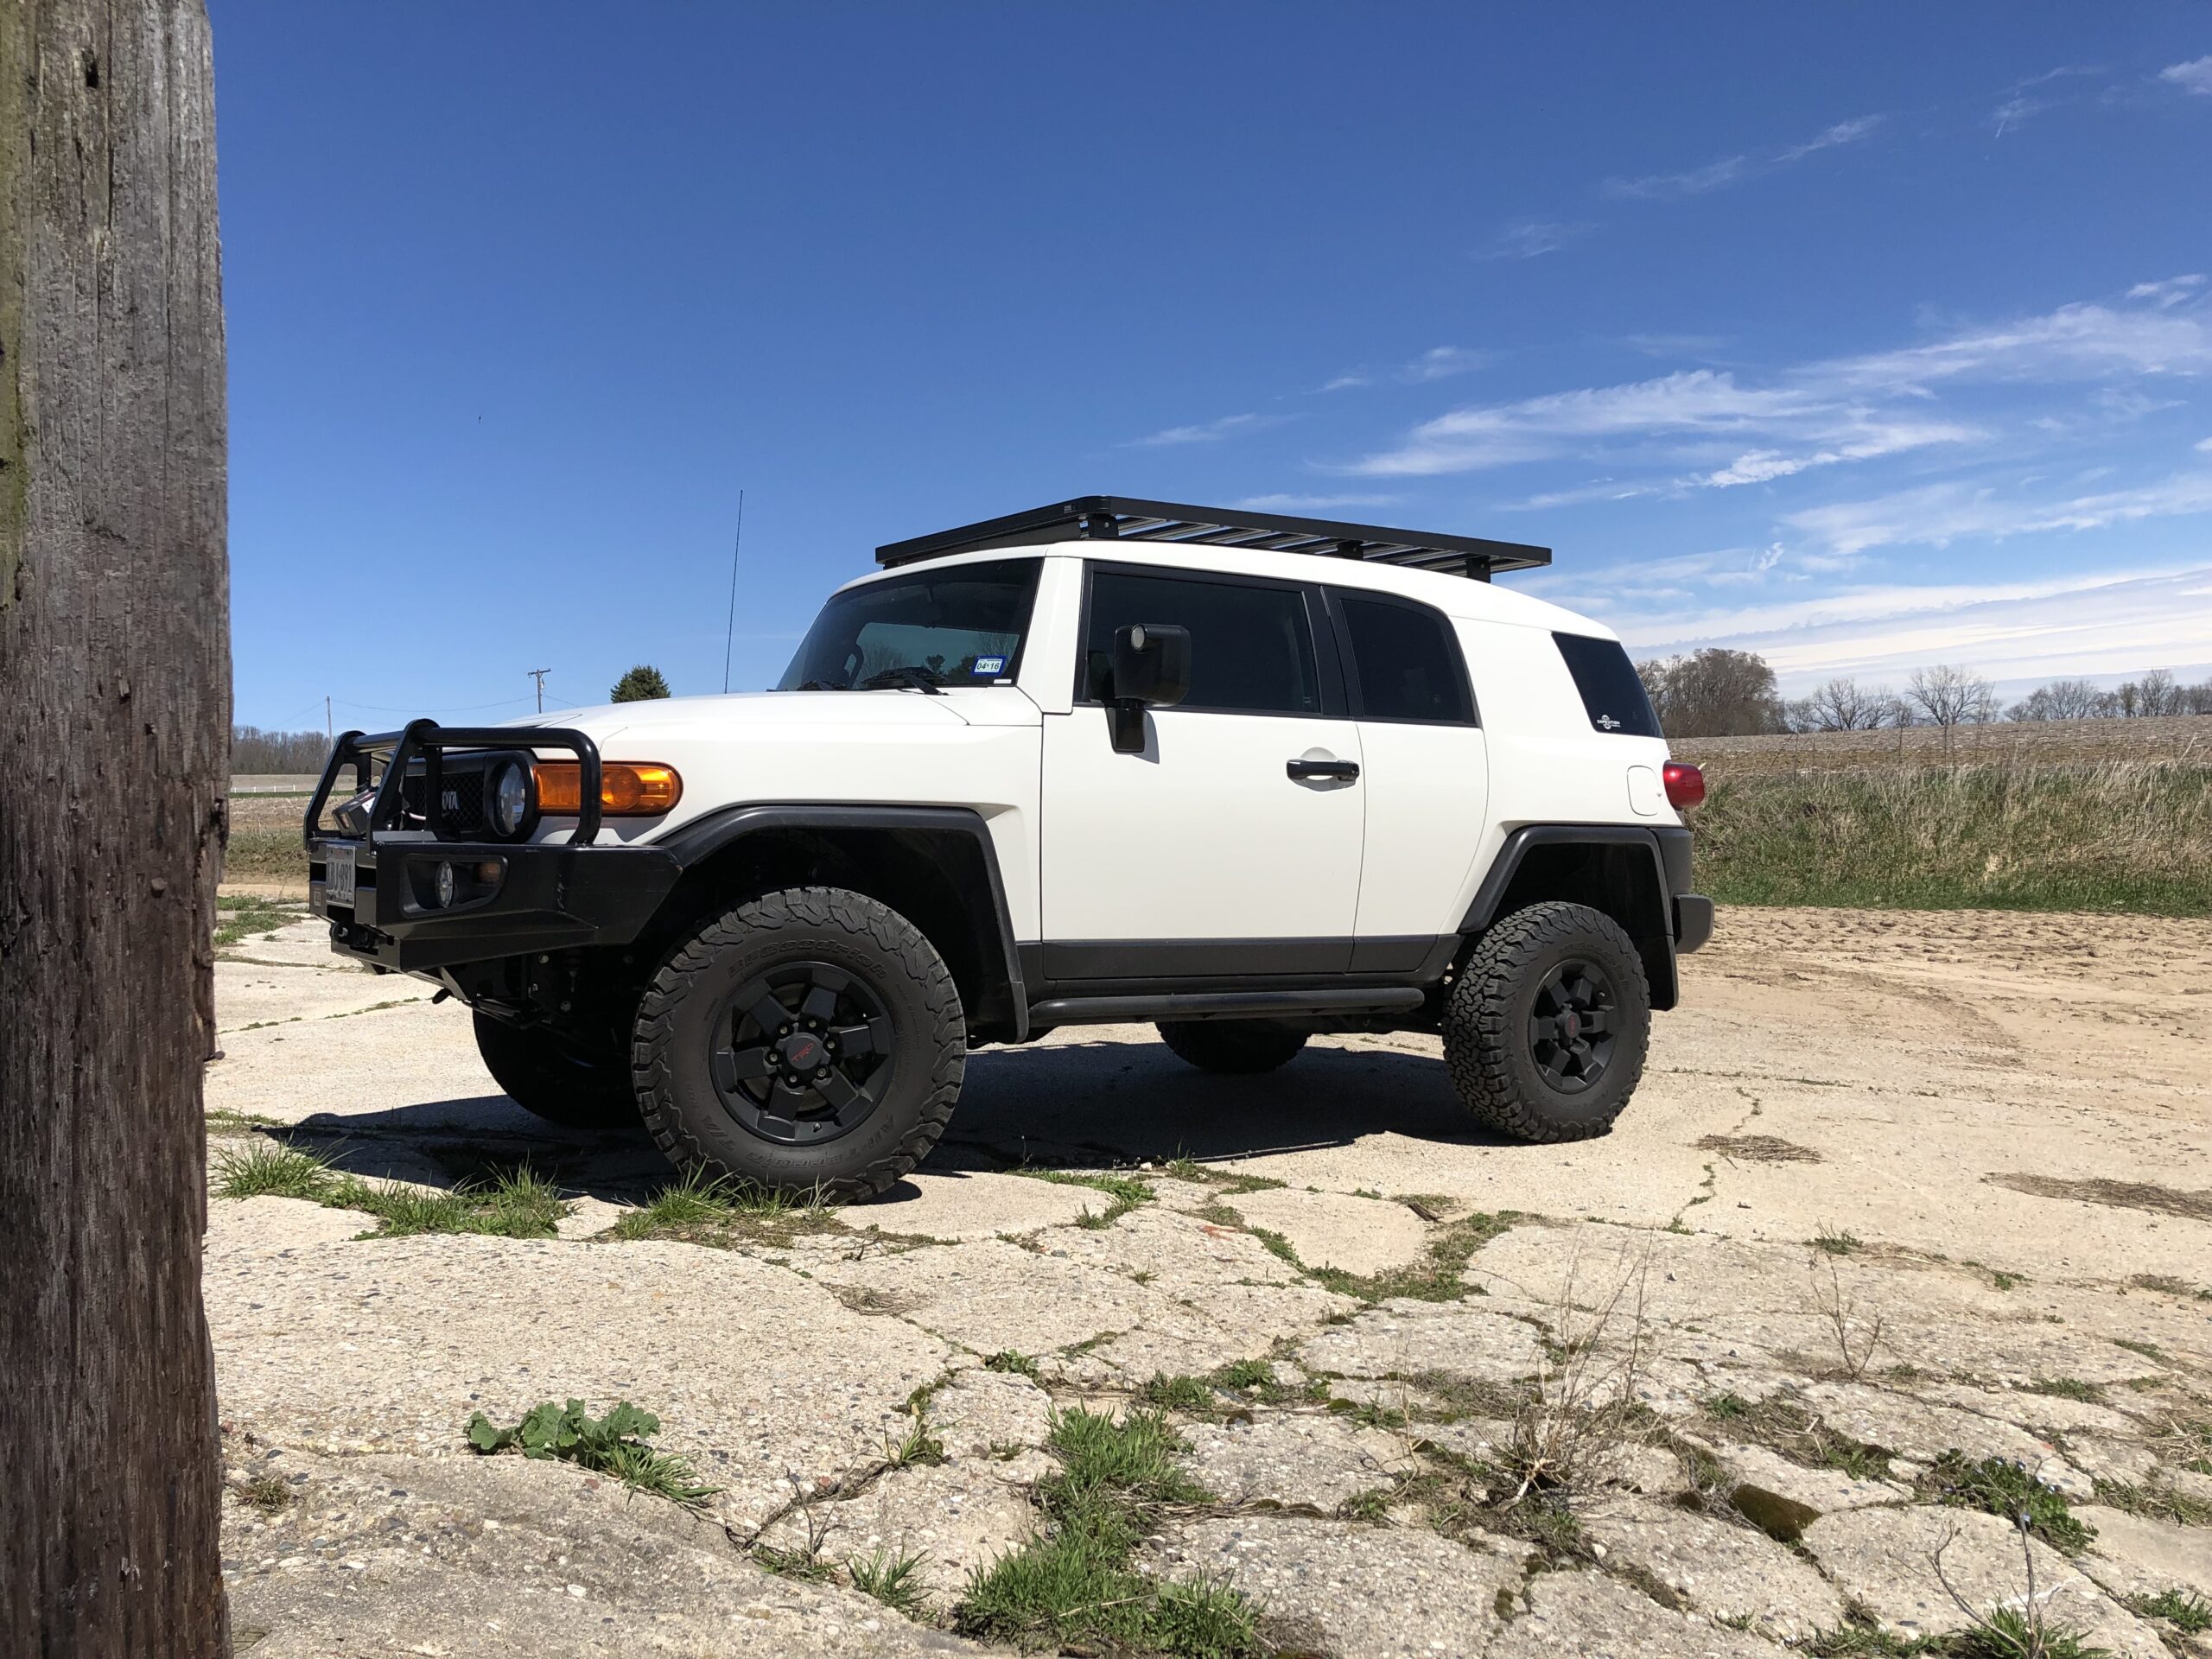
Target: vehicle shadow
{"type": "Point", "coordinates": [1103, 1103]}
{"type": "Point", "coordinates": [1083, 1104]}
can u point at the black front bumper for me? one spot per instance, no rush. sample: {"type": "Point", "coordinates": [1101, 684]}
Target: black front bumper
{"type": "Point", "coordinates": [506, 898]}
{"type": "Point", "coordinates": [546, 897]}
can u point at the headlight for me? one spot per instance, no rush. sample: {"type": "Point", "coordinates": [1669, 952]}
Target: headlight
{"type": "Point", "coordinates": [508, 800]}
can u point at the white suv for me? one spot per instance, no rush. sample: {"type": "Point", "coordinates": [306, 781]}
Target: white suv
{"type": "Point", "coordinates": [1246, 777]}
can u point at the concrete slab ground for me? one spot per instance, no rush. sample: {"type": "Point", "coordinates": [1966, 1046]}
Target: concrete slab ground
{"type": "Point", "coordinates": [1894, 1185]}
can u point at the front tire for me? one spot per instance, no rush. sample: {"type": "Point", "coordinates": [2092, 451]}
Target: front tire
{"type": "Point", "coordinates": [1241, 1048]}
{"type": "Point", "coordinates": [555, 1080]}
{"type": "Point", "coordinates": [1545, 1028]}
{"type": "Point", "coordinates": [811, 1041]}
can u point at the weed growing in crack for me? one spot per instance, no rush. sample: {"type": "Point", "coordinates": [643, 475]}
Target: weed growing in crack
{"type": "Point", "coordinates": [268, 1493]}
{"type": "Point", "coordinates": [1997, 1486]}
{"type": "Point", "coordinates": [1178, 1393]}
{"type": "Point", "coordinates": [2009, 1631]}
{"type": "Point", "coordinates": [520, 1203]}
{"type": "Point", "coordinates": [1837, 1243]}
{"type": "Point", "coordinates": [1012, 1363]}
{"type": "Point", "coordinates": [1127, 1191]}
{"type": "Point", "coordinates": [1584, 1407]}
{"type": "Point", "coordinates": [239, 915]}
{"type": "Point", "coordinates": [2156, 1503]}
{"type": "Point", "coordinates": [916, 1448]}
{"type": "Point", "coordinates": [889, 1577]}
{"type": "Point", "coordinates": [1074, 1587]}
{"type": "Point", "coordinates": [612, 1445]}
{"type": "Point", "coordinates": [1857, 1338]}
{"type": "Point", "coordinates": [700, 1209]}
{"type": "Point", "coordinates": [2187, 1612]}
{"type": "Point", "coordinates": [2067, 1388]}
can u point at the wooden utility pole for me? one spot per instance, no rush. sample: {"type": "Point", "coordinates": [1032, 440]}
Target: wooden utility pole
{"type": "Point", "coordinates": [114, 760]}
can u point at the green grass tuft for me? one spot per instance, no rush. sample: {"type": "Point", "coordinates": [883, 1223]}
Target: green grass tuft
{"type": "Point", "coordinates": [889, 1578]}
{"type": "Point", "coordinates": [612, 1445]}
{"type": "Point", "coordinates": [265, 1170]}
{"type": "Point", "coordinates": [1126, 1191]}
{"type": "Point", "coordinates": [520, 1203]}
{"type": "Point", "coordinates": [1998, 1487]}
{"type": "Point", "coordinates": [2067, 1388]}
{"type": "Point", "coordinates": [239, 915]}
{"type": "Point", "coordinates": [1016, 1364]}
{"type": "Point", "coordinates": [2187, 1612]}
{"type": "Point", "coordinates": [1073, 1588]}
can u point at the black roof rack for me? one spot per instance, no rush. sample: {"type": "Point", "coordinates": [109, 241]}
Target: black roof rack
{"type": "Point", "coordinates": [1123, 518]}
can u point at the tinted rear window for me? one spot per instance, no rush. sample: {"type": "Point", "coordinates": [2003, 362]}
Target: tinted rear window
{"type": "Point", "coordinates": [1407, 663]}
{"type": "Point", "coordinates": [1612, 695]}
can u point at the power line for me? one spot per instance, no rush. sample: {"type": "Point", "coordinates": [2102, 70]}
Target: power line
{"type": "Point", "coordinates": [538, 674]}
{"type": "Point", "coordinates": [730, 640]}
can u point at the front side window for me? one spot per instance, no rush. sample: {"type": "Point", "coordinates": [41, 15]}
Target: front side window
{"type": "Point", "coordinates": [963, 624]}
{"type": "Point", "coordinates": [1251, 647]}
{"type": "Point", "coordinates": [1406, 661]}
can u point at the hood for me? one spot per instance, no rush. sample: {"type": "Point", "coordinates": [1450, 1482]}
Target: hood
{"type": "Point", "coordinates": [732, 714]}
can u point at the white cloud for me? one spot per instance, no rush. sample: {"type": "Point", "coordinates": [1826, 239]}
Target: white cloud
{"type": "Point", "coordinates": [1527, 237]}
{"type": "Point", "coordinates": [1695, 182]}
{"type": "Point", "coordinates": [1440, 362]}
{"type": "Point", "coordinates": [2087, 623]}
{"type": "Point", "coordinates": [1697, 402]}
{"type": "Point", "coordinates": [2018, 106]}
{"type": "Point", "coordinates": [2195, 76]}
{"type": "Point", "coordinates": [1731, 169]}
{"type": "Point", "coordinates": [1208, 431]}
{"type": "Point", "coordinates": [1844, 132]}
{"type": "Point", "coordinates": [1312, 503]}
{"type": "Point", "coordinates": [1349, 379]}
{"type": "Point", "coordinates": [1936, 515]}
{"type": "Point", "coordinates": [2203, 446]}
{"type": "Point", "coordinates": [2170, 292]}
{"type": "Point", "coordinates": [2072, 342]}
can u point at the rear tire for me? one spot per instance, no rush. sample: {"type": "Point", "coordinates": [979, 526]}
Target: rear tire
{"type": "Point", "coordinates": [1547, 1025]}
{"type": "Point", "coordinates": [1237, 1047]}
{"type": "Point", "coordinates": [811, 1041]}
{"type": "Point", "coordinates": [555, 1080]}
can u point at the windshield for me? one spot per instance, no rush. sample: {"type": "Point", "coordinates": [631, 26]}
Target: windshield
{"type": "Point", "coordinates": [959, 625]}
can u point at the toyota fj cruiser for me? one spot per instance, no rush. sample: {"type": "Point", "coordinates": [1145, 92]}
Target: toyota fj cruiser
{"type": "Point", "coordinates": [1246, 777]}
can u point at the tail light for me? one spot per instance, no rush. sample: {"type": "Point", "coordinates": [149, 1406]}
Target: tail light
{"type": "Point", "coordinates": [627, 789]}
{"type": "Point", "coordinates": [1685, 783]}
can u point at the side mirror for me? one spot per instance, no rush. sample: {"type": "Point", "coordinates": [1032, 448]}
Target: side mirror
{"type": "Point", "coordinates": [1152, 669]}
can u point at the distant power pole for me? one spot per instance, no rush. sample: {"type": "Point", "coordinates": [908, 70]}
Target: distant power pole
{"type": "Point", "coordinates": [737, 542]}
{"type": "Point", "coordinates": [329, 726]}
{"type": "Point", "coordinates": [539, 674]}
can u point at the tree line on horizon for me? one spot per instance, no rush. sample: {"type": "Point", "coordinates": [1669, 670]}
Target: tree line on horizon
{"type": "Point", "coordinates": [1717, 692]}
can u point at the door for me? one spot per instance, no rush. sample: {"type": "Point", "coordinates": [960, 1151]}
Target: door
{"type": "Point", "coordinates": [1426, 772]}
{"type": "Point", "coordinates": [1231, 845]}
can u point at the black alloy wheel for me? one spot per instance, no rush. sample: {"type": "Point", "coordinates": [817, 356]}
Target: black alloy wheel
{"type": "Point", "coordinates": [806, 1051]}
{"type": "Point", "coordinates": [1570, 1026]}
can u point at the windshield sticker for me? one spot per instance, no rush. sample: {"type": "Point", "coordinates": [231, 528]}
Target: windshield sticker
{"type": "Point", "coordinates": [990, 665]}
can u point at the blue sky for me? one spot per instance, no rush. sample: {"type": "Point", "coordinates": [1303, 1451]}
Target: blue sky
{"type": "Point", "coordinates": [1865, 336]}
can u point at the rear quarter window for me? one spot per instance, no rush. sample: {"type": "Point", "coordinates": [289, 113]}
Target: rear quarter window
{"type": "Point", "coordinates": [1612, 695]}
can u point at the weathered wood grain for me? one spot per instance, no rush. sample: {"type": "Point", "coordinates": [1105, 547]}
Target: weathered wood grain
{"type": "Point", "coordinates": [114, 721]}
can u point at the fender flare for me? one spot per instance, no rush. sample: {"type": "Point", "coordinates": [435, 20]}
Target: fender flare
{"type": "Point", "coordinates": [1668, 847]}
{"type": "Point", "coordinates": [704, 837]}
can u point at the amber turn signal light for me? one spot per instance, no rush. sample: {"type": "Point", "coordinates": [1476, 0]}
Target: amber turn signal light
{"type": "Point", "coordinates": [627, 789]}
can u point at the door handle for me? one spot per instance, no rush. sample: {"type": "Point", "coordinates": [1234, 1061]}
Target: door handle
{"type": "Point", "coordinates": [1345, 770]}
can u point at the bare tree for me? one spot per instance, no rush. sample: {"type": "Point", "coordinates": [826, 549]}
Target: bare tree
{"type": "Point", "coordinates": [2060, 700]}
{"type": "Point", "coordinates": [1844, 705]}
{"type": "Point", "coordinates": [1950, 696]}
{"type": "Point", "coordinates": [1712, 693]}
{"type": "Point", "coordinates": [115, 680]}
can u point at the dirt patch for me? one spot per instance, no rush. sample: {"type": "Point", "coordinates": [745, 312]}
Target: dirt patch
{"type": "Point", "coordinates": [2121, 1195]}
{"type": "Point", "coordinates": [1758, 1149]}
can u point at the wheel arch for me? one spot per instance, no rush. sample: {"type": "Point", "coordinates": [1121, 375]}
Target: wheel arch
{"type": "Point", "coordinates": [1617, 869]}
{"type": "Point", "coordinates": [935, 866]}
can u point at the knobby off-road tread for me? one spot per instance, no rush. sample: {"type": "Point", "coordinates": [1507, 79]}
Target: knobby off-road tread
{"type": "Point", "coordinates": [1480, 1045]}
{"type": "Point", "coordinates": [903, 946]}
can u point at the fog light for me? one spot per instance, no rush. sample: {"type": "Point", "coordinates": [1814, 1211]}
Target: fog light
{"type": "Point", "coordinates": [445, 887]}
{"type": "Point", "coordinates": [509, 798]}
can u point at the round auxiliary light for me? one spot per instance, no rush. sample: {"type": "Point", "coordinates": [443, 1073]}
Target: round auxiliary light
{"type": "Point", "coordinates": [445, 887]}
{"type": "Point", "coordinates": [509, 798]}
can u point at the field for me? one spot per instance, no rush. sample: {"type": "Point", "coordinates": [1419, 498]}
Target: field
{"type": "Point", "coordinates": [2096, 815]}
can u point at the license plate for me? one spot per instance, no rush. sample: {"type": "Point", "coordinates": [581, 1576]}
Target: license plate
{"type": "Point", "coordinates": [338, 873]}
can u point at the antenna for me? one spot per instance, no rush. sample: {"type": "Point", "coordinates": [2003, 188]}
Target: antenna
{"type": "Point", "coordinates": [539, 674]}
{"type": "Point", "coordinates": [737, 541]}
